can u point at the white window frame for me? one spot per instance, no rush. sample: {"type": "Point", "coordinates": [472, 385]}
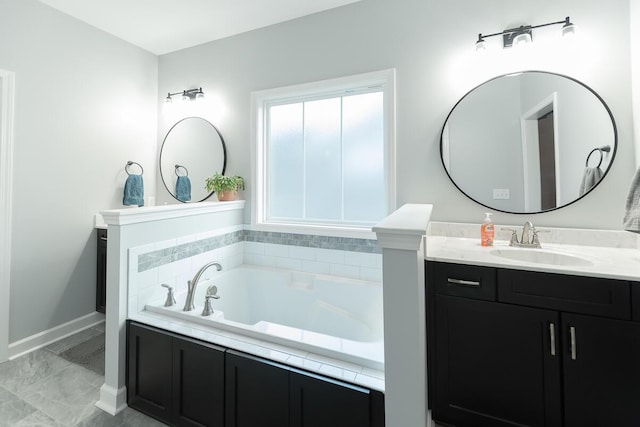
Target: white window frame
{"type": "Point", "coordinates": [259, 102]}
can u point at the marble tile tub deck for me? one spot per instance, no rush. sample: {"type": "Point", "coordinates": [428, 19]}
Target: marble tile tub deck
{"type": "Point", "coordinates": [58, 386]}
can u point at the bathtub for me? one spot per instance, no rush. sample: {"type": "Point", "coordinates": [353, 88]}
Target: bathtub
{"type": "Point", "coordinates": [332, 316]}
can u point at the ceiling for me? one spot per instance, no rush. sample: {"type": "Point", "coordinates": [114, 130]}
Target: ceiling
{"type": "Point", "coordinates": [163, 26]}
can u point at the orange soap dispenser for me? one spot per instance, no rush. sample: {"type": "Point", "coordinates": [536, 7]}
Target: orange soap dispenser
{"type": "Point", "coordinates": [487, 230]}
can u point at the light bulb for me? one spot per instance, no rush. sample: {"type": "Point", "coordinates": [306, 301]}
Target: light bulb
{"type": "Point", "coordinates": [568, 30]}
{"type": "Point", "coordinates": [521, 39]}
{"type": "Point", "coordinates": [481, 45]}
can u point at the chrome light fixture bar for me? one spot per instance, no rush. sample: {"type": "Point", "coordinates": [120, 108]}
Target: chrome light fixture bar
{"type": "Point", "coordinates": [186, 95]}
{"type": "Point", "coordinates": [523, 34]}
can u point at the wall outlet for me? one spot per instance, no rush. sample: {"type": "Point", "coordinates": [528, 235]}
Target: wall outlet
{"type": "Point", "coordinates": [501, 194]}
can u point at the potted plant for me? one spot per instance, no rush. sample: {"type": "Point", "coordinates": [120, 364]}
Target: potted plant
{"type": "Point", "coordinates": [225, 187]}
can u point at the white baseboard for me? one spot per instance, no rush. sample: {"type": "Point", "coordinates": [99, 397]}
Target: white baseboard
{"type": "Point", "coordinates": [44, 338]}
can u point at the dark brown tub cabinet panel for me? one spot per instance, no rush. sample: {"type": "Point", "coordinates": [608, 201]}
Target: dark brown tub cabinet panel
{"type": "Point", "coordinates": [198, 384]}
{"type": "Point", "coordinates": [257, 392]}
{"type": "Point", "coordinates": [320, 402]}
{"type": "Point", "coordinates": [149, 370]}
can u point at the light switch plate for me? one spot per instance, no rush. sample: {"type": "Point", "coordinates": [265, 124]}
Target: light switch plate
{"type": "Point", "coordinates": [501, 194]}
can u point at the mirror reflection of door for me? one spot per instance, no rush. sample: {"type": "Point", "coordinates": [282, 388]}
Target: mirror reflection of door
{"type": "Point", "coordinates": [539, 150]}
{"type": "Point", "coordinates": [546, 146]}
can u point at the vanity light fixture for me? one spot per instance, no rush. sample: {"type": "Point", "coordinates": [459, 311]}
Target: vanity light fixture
{"type": "Point", "coordinates": [523, 34]}
{"type": "Point", "coordinates": [186, 95]}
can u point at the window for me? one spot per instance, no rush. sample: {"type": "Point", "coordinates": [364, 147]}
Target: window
{"type": "Point", "coordinates": [324, 153]}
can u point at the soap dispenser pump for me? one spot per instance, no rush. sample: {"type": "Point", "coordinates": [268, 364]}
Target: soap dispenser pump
{"type": "Point", "coordinates": [487, 231]}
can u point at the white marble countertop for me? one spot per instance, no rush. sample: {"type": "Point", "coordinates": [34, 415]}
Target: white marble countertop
{"type": "Point", "coordinates": [612, 254]}
{"type": "Point", "coordinates": [345, 371]}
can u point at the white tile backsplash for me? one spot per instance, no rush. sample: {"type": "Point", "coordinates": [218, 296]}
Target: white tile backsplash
{"type": "Point", "coordinates": [316, 267]}
{"type": "Point", "coordinates": [301, 252]}
{"type": "Point", "coordinates": [371, 274]}
{"type": "Point", "coordinates": [343, 270]}
{"type": "Point", "coordinates": [254, 248]}
{"type": "Point", "coordinates": [289, 264]}
{"type": "Point", "coordinates": [276, 250]}
{"type": "Point", "coordinates": [331, 256]}
{"type": "Point", "coordinates": [361, 259]}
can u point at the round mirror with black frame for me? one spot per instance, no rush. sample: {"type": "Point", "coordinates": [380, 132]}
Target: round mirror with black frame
{"type": "Point", "coordinates": [192, 150]}
{"type": "Point", "coordinates": [528, 142]}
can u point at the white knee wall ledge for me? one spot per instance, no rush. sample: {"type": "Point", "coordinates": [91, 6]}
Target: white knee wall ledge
{"type": "Point", "coordinates": [400, 236]}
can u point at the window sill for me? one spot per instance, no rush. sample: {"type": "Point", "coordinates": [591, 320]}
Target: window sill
{"type": "Point", "coordinates": [315, 230]}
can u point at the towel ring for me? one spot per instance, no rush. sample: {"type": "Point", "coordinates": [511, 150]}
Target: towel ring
{"type": "Point", "coordinates": [129, 163]}
{"type": "Point", "coordinates": [186, 172]}
{"type": "Point", "coordinates": [601, 150]}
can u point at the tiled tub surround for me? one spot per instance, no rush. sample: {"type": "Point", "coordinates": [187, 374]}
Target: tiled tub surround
{"type": "Point", "coordinates": [175, 261]}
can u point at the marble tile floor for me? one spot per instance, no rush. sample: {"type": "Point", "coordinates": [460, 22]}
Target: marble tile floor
{"type": "Point", "coordinates": [58, 385]}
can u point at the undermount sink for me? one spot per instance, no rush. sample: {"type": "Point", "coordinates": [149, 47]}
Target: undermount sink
{"type": "Point", "coordinates": [541, 256]}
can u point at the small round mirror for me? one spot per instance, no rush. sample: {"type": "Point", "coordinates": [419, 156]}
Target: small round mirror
{"type": "Point", "coordinates": [192, 150]}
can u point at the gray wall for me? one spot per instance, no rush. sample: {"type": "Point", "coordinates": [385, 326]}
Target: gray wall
{"type": "Point", "coordinates": [431, 44]}
{"type": "Point", "coordinates": [85, 104]}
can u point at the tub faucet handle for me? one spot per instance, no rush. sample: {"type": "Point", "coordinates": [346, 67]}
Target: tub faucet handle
{"type": "Point", "coordinates": [170, 298]}
{"type": "Point", "coordinates": [208, 310]}
{"type": "Point", "coordinates": [212, 291]}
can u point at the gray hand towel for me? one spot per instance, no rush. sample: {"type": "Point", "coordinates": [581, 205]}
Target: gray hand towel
{"type": "Point", "coordinates": [590, 178]}
{"type": "Point", "coordinates": [631, 220]}
{"type": "Point", "coordinates": [133, 191]}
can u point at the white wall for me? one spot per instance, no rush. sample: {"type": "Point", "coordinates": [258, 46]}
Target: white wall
{"type": "Point", "coordinates": [431, 45]}
{"type": "Point", "coordinates": [85, 104]}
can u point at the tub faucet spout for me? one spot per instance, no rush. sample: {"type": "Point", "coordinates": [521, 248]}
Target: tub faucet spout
{"type": "Point", "coordinates": [192, 284]}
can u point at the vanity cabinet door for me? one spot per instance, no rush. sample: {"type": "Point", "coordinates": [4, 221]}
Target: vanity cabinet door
{"type": "Point", "coordinates": [601, 371]}
{"type": "Point", "coordinates": [495, 364]}
{"type": "Point", "coordinates": [198, 383]}
{"type": "Point", "coordinates": [256, 392]}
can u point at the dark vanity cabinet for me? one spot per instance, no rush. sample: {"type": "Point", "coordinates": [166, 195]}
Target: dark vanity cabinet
{"type": "Point", "coordinates": [101, 271]}
{"type": "Point", "coordinates": [185, 382]}
{"type": "Point", "coordinates": [511, 347]}
{"type": "Point", "coordinates": [175, 379]}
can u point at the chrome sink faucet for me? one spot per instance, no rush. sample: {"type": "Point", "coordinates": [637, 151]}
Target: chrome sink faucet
{"type": "Point", "coordinates": [191, 285]}
{"type": "Point", "coordinates": [529, 237]}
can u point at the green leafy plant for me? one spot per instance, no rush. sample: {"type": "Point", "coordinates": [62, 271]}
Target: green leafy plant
{"type": "Point", "coordinates": [222, 184]}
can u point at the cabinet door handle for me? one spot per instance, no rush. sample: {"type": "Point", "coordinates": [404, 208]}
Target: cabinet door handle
{"type": "Point", "coordinates": [552, 337]}
{"type": "Point", "coordinates": [572, 334]}
{"type": "Point", "coordinates": [463, 282]}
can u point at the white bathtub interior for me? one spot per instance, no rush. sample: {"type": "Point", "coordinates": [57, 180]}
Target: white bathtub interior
{"type": "Point", "coordinates": [333, 316]}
